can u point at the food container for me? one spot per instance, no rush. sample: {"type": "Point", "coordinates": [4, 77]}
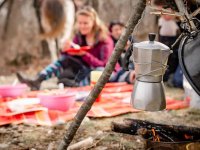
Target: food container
{"type": "Point", "coordinates": [94, 76]}
{"type": "Point", "coordinates": [57, 101]}
{"type": "Point", "coordinates": [13, 91]}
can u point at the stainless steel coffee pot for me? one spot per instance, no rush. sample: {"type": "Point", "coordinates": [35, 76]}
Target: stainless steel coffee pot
{"type": "Point", "coordinates": [150, 61]}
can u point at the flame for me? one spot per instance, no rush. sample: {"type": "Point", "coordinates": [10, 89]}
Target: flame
{"type": "Point", "coordinates": [187, 137]}
{"type": "Point", "coordinates": [155, 136]}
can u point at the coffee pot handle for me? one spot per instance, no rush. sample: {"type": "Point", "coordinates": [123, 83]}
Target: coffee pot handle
{"type": "Point", "coordinates": [127, 57]}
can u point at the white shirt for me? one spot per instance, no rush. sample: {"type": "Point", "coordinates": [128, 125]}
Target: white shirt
{"type": "Point", "coordinates": [168, 27]}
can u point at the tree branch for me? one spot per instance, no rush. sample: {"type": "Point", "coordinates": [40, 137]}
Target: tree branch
{"type": "Point", "coordinates": [162, 11]}
{"type": "Point", "coordinates": [86, 106]}
{"type": "Point", "coordinates": [183, 10]}
{"type": "Point", "coordinates": [197, 11]}
{"type": "Point", "coordinates": [2, 4]}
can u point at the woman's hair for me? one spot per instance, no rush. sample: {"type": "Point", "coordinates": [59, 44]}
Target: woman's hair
{"type": "Point", "coordinates": [53, 14]}
{"type": "Point", "coordinates": [113, 23]}
{"type": "Point", "coordinates": [99, 28]}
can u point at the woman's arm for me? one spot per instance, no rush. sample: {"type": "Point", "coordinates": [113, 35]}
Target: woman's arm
{"type": "Point", "coordinates": [99, 54]}
{"type": "Point", "coordinates": [104, 50]}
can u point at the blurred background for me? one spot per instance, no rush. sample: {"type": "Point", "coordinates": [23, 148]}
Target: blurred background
{"type": "Point", "coordinates": [19, 27]}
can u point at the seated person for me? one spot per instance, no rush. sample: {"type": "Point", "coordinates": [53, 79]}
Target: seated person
{"type": "Point", "coordinates": [90, 31]}
{"type": "Point", "coordinates": [168, 33]}
{"type": "Point", "coordinates": [126, 73]}
{"type": "Point", "coordinates": [116, 28]}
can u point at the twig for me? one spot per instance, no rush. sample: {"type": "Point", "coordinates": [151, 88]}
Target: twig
{"type": "Point", "coordinates": [103, 137]}
{"type": "Point", "coordinates": [88, 142]}
{"type": "Point", "coordinates": [162, 11]}
{"type": "Point", "coordinates": [197, 11]}
{"type": "Point", "coordinates": [177, 40]}
{"type": "Point", "coordinates": [183, 10]}
{"type": "Point", "coordinates": [166, 13]}
{"type": "Point", "coordinates": [82, 144]}
{"type": "Point", "coordinates": [182, 14]}
{"type": "Point", "coordinates": [2, 4]}
{"type": "Point", "coordinates": [86, 106]}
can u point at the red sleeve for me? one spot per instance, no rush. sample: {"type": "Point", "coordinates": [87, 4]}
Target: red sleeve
{"type": "Point", "coordinates": [104, 50]}
{"type": "Point", "coordinates": [75, 40]}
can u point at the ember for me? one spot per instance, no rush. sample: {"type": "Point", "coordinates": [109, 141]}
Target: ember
{"type": "Point", "coordinates": [160, 136]}
{"type": "Point", "coordinates": [155, 136]}
{"type": "Point", "coordinates": [188, 137]}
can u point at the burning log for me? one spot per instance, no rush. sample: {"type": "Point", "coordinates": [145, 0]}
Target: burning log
{"type": "Point", "coordinates": [157, 132]}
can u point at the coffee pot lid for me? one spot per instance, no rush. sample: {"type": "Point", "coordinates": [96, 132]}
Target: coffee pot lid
{"type": "Point", "coordinates": [151, 44]}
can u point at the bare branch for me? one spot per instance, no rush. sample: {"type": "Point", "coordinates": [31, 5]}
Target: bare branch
{"type": "Point", "coordinates": [2, 4]}
{"type": "Point", "coordinates": [166, 13]}
{"type": "Point", "coordinates": [133, 20]}
{"type": "Point", "coordinates": [183, 10]}
{"type": "Point", "coordinates": [196, 12]}
{"type": "Point", "coordinates": [162, 11]}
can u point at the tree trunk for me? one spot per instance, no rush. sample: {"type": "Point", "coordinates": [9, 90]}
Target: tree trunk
{"type": "Point", "coordinates": [93, 3]}
{"type": "Point", "coordinates": [86, 106]}
{"type": "Point", "coordinates": [6, 25]}
{"type": "Point", "coordinates": [44, 44]}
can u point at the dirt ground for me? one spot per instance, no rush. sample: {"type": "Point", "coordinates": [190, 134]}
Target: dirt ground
{"type": "Point", "coordinates": [32, 137]}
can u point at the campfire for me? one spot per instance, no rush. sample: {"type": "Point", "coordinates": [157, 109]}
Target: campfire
{"type": "Point", "coordinates": [161, 136]}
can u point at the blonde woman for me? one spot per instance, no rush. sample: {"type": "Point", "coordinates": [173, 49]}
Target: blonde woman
{"type": "Point", "coordinates": [90, 31]}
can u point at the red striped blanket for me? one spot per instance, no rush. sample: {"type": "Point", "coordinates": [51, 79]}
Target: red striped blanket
{"type": "Point", "coordinates": [113, 102]}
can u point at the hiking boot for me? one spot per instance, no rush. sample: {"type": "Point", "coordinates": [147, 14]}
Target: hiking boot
{"type": "Point", "coordinates": [34, 84]}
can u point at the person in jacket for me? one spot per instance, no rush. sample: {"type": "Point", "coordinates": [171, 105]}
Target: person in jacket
{"type": "Point", "coordinates": [90, 31]}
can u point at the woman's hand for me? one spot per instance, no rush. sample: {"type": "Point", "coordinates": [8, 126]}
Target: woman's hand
{"type": "Point", "coordinates": [132, 76]}
{"type": "Point", "coordinates": [66, 45]}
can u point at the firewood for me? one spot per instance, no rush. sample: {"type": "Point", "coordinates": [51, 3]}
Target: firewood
{"type": "Point", "coordinates": [169, 133]}
{"type": "Point", "coordinates": [84, 143]}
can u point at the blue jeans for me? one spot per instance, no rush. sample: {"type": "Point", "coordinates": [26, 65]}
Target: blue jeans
{"type": "Point", "coordinates": [178, 77]}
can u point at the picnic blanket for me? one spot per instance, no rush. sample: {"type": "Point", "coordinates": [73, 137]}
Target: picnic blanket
{"type": "Point", "coordinates": [113, 101]}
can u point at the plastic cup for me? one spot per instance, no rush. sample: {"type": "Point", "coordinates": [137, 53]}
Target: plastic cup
{"type": "Point", "coordinates": [94, 77]}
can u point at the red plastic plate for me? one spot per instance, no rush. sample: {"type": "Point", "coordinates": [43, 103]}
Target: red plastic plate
{"type": "Point", "coordinates": [77, 50]}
